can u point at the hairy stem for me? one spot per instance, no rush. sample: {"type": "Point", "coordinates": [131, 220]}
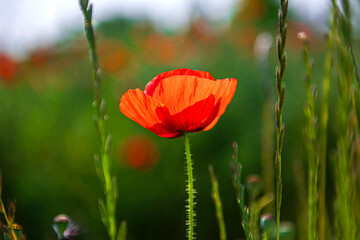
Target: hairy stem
{"type": "Point", "coordinates": [190, 189]}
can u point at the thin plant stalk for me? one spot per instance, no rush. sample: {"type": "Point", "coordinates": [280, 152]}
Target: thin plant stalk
{"type": "Point", "coordinates": [311, 142]}
{"type": "Point", "coordinates": [240, 190]}
{"type": "Point", "coordinates": [280, 70]}
{"type": "Point", "coordinates": [324, 116]}
{"type": "Point", "coordinates": [190, 190]}
{"type": "Point", "coordinates": [107, 207]}
{"type": "Point", "coordinates": [218, 205]}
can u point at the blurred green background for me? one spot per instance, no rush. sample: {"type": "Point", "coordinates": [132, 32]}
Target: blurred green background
{"type": "Point", "coordinates": [47, 136]}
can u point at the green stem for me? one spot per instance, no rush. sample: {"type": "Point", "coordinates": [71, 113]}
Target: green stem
{"type": "Point", "coordinates": [280, 70]}
{"type": "Point", "coordinates": [346, 227]}
{"type": "Point", "coordinates": [239, 187]}
{"type": "Point", "coordinates": [218, 206]}
{"type": "Point", "coordinates": [190, 189]}
{"type": "Point", "coordinates": [323, 129]}
{"type": "Point", "coordinates": [104, 139]}
{"type": "Point", "coordinates": [311, 142]}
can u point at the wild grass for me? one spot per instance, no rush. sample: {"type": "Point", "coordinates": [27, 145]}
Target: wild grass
{"type": "Point", "coordinates": [340, 65]}
{"type": "Point", "coordinates": [280, 85]}
{"type": "Point", "coordinates": [323, 126]}
{"type": "Point", "coordinates": [348, 124]}
{"type": "Point", "coordinates": [103, 161]}
{"type": "Point", "coordinates": [311, 139]}
{"type": "Point", "coordinates": [218, 205]}
{"type": "Point", "coordinates": [240, 192]}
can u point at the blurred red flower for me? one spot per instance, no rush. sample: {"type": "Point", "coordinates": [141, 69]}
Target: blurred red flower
{"type": "Point", "coordinates": [140, 152]}
{"type": "Point", "coordinates": [160, 49]}
{"type": "Point", "coordinates": [113, 55]}
{"type": "Point", "coordinates": [179, 101]}
{"type": "Point", "coordinates": [7, 67]}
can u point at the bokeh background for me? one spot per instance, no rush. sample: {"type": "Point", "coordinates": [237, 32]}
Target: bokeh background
{"type": "Point", "coordinates": [47, 136]}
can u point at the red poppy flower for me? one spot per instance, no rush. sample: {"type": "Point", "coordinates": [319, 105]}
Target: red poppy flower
{"type": "Point", "coordinates": [179, 101]}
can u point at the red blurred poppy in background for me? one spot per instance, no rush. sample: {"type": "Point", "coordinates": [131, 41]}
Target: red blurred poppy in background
{"type": "Point", "coordinates": [179, 101]}
{"type": "Point", "coordinates": [7, 68]}
{"type": "Point", "coordinates": [139, 152]}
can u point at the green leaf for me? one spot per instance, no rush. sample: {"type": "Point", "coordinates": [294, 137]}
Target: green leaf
{"type": "Point", "coordinates": [89, 12]}
{"type": "Point", "coordinates": [84, 4]}
{"type": "Point", "coordinates": [122, 231]}
{"type": "Point", "coordinates": [103, 213]}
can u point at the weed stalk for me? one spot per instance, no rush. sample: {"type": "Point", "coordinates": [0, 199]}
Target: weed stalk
{"type": "Point", "coordinates": [107, 207]}
{"type": "Point", "coordinates": [280, 70]}
{"type": "Point", "coordinates": [311, 141]}
{"type": "Point", "coordinates": [348, 125]}
{"type": "Point", "coordinates": [240, 190]}
{"type": "Point", "coordinates": [324, 116]}
{"type": "Point", "coordinates": [218, 205]}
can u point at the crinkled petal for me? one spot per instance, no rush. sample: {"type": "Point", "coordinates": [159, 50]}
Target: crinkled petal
{"type": "Point", "coordinates": [144, 110]}
{"type": "Point", "coordinates": [192, 119]}
{"type": "Point", "coordinates": [151, 86]}
{"type": "Point", "coordinates": [224, 92]}
{"type": "Point", "coordinates": [180, 92]}
{"type": "Point", "coordinates": [204, 74]}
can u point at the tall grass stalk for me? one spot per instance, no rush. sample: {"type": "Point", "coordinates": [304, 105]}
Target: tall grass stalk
{"type": "Point", "coordinates": [311, 142]}
{"type": "Point", "coordinates": [107, 207]}
{"type": "Point", "coordinates": [347, 122]}
{"type": "Point", "coordinates": [324, 116]}
{"type": "Point", "coordinates": [280, 70]}
{"type": "Point", "coordinates": [240, 190]}
{"type": "Point", "coordinates": [190, 189]}
{"type": "Point", "coordinates": [218, 205]}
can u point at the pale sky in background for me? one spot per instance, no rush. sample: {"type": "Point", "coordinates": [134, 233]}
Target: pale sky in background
{"type": "Point", "coordinates": [25, 24]}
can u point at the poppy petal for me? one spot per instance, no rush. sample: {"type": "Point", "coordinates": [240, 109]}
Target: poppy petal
{"type": "Point", "coordinates": [180, 92]}
{"type": "Point", "coordinates": [144, 110]}
{"type": "Point", "coordinates": [151, 86]}
{"type": "Point", "coordinates": [193, 118]}
{"type": "Point", "coordinates": [206, 75]}
{"type": "Point", "coordinates": [224, 92]}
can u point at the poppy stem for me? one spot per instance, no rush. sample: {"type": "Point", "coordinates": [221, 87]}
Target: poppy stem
{"type": "Point", "coordinates": [190, 190]}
